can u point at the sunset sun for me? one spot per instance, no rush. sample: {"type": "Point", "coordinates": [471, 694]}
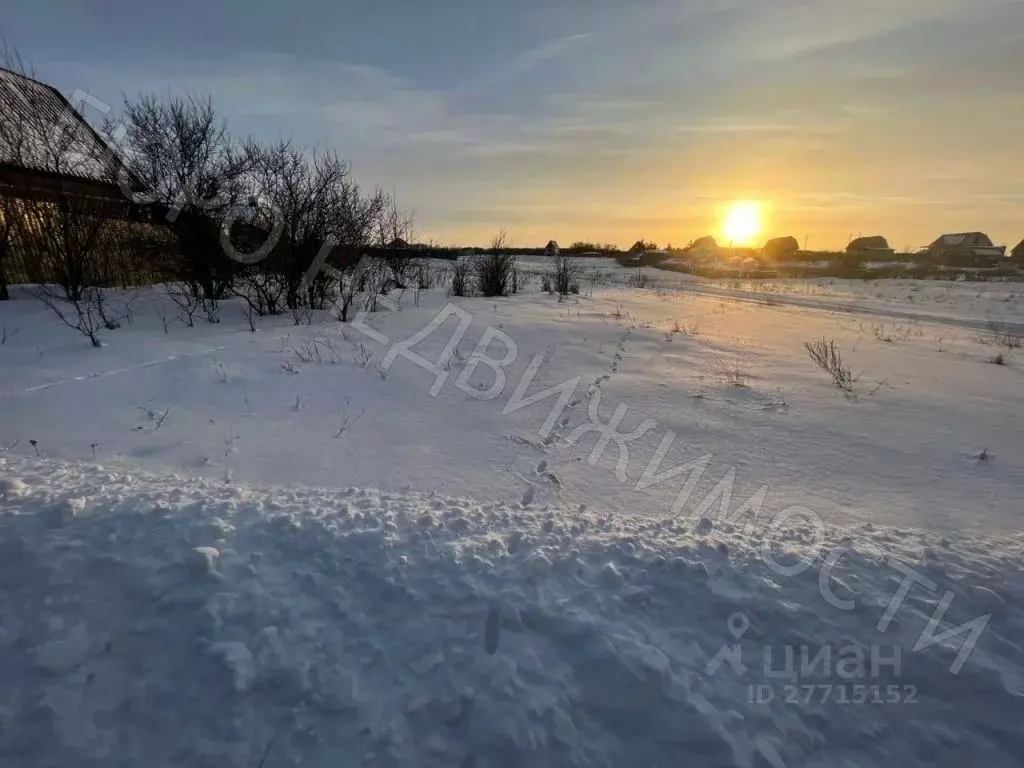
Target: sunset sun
{"type": "Point", "coordinates": [742, 223]}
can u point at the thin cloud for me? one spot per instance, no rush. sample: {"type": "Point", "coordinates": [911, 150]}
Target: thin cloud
{"type": "Point", "coordinates": [550, 49]}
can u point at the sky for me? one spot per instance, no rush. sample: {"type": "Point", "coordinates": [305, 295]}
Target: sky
{"type": "Point", "coordinates": [598, 120]}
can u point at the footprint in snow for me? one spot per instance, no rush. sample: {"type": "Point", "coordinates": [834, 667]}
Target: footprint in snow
{"type": "Point", "coordinates": [542, 467]}
{"type": "Point", "coordinates": [527, 499]}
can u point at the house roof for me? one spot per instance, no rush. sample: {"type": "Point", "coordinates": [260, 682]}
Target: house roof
{"type": "Point", "coordinates": [50, 135]}
{"type": "Point", "coordinates": [963, 239]}
{"type": "Point", "coordinates": [868, 243]}
{"type": "Point", "coordinates": [782, 244]}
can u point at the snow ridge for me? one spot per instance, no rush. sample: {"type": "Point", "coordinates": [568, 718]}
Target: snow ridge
{"type": "Point", "coordinates": [158, 620]}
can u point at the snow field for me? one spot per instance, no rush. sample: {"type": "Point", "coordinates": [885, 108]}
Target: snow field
{"type": "Point", "coordinates": [168, 621]}
{"type": "Point", "coordinates": [188, 575]}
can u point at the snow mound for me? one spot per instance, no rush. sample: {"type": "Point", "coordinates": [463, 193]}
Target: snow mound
{"type": "Point", "coordinates": [183, 622]}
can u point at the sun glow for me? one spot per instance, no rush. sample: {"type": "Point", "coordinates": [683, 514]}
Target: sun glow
{"type": "Point", "coordinates": [742, 223]}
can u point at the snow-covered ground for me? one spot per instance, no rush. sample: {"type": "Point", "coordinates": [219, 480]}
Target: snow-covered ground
{"type": "Point", "coordinates": [645, 529]}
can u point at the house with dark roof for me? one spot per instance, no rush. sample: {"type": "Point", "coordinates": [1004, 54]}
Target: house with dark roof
{"type": "Point", "coordinates": [1017, 254]}
{"type": "Point", "coordinates": [551, 249]}
{"type": "Point", "coordinates": [780, 248]}
{"type": "Point", "coordinates": [49, 151]}
{"type": "Point", "coordinates": [871, 245]}
{"type": "Point", "coordinates": [962, 247]}
{"type": "Point", "coordinates": [54, 167]}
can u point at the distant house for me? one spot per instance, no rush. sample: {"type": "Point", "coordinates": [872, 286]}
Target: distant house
{"type": "Point", "coordinates": [780, 248]}
{"type": "Point", "coordinates": [870, 246]}
{"type": "Point", "coordinates": [962, 247]}
{"type": "Point", "coordinates": [703, 242]}
{"type": "Point", "coordinates": [551, 249]}
{"type": "Point", "coordinates": [703, 250]}
{"type": "Point", "coordinates": [1017, 254]}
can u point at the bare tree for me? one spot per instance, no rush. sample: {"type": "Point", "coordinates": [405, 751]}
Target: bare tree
{"type": "Point", "coordinates": [193, 171]}
{"type": "Point", "coordinates": [84, 314]}
{"type": "Point", "coordinates": [310, 199]}
{"type": "Point", "coordinates": [494, 270]}
{"type": "Point", "coordinates": [567, 270]}
{"type": "Point", "coordinates": [460, 272]}
{"type": "Point", "coordinates": [393, 229]}
{"type": "Point", "coordinates": [375, 279]}
{"type": "Point", "coordinates": [349, 283]}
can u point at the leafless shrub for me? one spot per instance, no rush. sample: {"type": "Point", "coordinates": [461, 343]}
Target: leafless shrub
{"type": "Point", "coordinates": [318, 349]}
{"type": "Point", "coordinates": [211, 307]}
{"type": "Point", "coordinates": [494, 270]}
{"type": "Point", "coordinates": [127, 311]}
{"type": "Point", "coordinates": [307, 351]}
{"type": "Point", "coordinates": [998, 359]}
{"type": "Point", "coordinates": [161, 313]}
{"type": "Point", "coordinates": [81, 314]}
{"type": "Point", "coordinates": [348, 419]}
{"type": "Point", "coordinates": [731, 372]}
{"type": "Point", "coordinates": [262, 290]}
{"type": "Point", "coordinates": [826, 355]}
{"type": "Point", "coordinates": [111, 320]}
{"type": "Point", "coordinates": [518, 280]}
{"type": "Point", "coordinates": [421, 269]}
{"type": "Point", "coordinates": [7, 333]}
{"type": "Point", "coordinates": [391, 230]}
{"type": "Point", "coordinates": [349, 283]}
{"type": "Point", "coordinates": [460, 278]}
{"type": "Point", "coordinates": [185, 300]}
{"type": "Point", "coordinates": [312, 205]}
{"type": "Point", "coordinates": [567, 270]}
{"type": "Point", "coordinates": [546, 284]}
{"type": "Point", "coordinates": [376, 281]}
{"type": "Point", "coordinates": [302, 315]}
{"type": "Point", "coordinates": [361, 356]}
